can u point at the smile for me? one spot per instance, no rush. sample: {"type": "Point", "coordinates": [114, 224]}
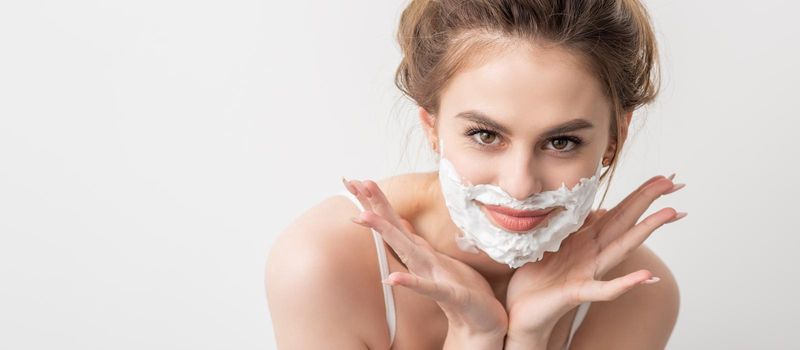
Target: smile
{"type": "Point", "coordinates": [515, 220]}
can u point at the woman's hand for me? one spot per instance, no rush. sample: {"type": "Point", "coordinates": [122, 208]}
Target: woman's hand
{"type": "Point", "coordinates": [473, 312]}
{"type": "Point", "coordinates": [540, 293]}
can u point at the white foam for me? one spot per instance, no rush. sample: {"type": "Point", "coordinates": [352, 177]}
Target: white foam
{"type": "Point", "coordinates": [513, 248]}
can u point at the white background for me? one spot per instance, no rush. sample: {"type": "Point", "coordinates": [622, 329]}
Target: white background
{"type": "Point", "coordinates": [151, 151]}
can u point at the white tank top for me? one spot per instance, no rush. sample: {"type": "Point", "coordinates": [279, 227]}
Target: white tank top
{"type": "Point", "coordinates": [388, 297]}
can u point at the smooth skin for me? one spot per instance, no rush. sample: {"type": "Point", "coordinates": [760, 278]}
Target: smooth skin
{"type": "Point", "coordinates": [322, 274]}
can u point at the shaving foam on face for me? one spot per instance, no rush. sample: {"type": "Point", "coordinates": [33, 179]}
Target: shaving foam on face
{"type": "Point", "coordinates": [507, 247]}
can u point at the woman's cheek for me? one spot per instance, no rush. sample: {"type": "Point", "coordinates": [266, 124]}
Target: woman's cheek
{"type": "Point", "coordinates": [475, 171]}
{"type": "Point", "coordinates": [568, 174]}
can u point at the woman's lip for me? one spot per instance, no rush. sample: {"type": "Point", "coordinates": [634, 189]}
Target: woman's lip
{"type": "Point", "coordinates": [516, 222]}
{"type": "Point", "coordinates": [519, 224]}
{"type": "Point", "coordinates": [517, 213]}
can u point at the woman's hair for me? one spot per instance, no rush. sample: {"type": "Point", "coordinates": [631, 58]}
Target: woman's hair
{"type": "Point", "coordinates": [614, 39]}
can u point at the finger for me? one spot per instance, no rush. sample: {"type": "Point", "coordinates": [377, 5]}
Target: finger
{"type": "Point", "coordinates": [595, 216]}
{"type": "Point", "coordinates": [615, 212]}
{"type": "Point", "coordinates": [675, 188]}
{"type": "Point", "coordinates": [620, 248]}
{"type": "Point", "coordinates": [360, 192]}
{"type": "Point", "coordinates": [380, 204]}
{"type": "Point", "coordinates": [628, 199]}
{"type": "Point", "coordinates": [372, 198]}
{"type": "Point", "coordinates": [611, 290]}
{"type": "Point", "coordinates": [628, 213]}
{"type": "Point", "coordinates": [413, 255]}
{"type": "Point", "coordinates": [407, 226]}
{"type": "Point", "coordinates": [349, 187]}
{"type": "Point", "coordinates": [412, 233]}
{"type": "Point", "coordinates": [432, 289]}
{"type": "Point", "coordinates": [680, 215]}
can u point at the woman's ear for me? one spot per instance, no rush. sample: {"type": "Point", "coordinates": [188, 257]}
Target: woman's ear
{"type": "Point", "coordinates": [429, 124]}
{"type": "Point", "coordinates": [611, 151]}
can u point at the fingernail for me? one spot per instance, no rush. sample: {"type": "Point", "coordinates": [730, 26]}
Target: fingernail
{"type": "Point", "coordinates": [675, 188]}
{"type": "Point", "coordinates": [357, 220]}
{"type": "Point", "coordinates": [677, 217]}
{"type": "Point", "coordinates": [347, 186]}
{"type": "Point", "coordinates": [651, 280]}
{"type": "Point", "coordinates": [367, 191]}
{"type": "Point", "coordinates": [358, 187]}
{"type": "Point", "coordinates": [671, 177]}
{"type": "Point", "coordinates": [387, 281]}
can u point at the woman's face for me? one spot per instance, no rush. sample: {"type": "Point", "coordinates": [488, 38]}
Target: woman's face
{"type": "Point", "coordinates": [523, 119]}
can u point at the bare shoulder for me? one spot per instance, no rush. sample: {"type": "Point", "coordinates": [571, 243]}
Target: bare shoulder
{"type": "Point", "coordinates": [642, 318]}
{"type": "Point", "coordinates": [323, 283]}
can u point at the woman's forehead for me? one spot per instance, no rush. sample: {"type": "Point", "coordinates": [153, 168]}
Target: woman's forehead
{"type": "Point", "coordinates": [534, 86]}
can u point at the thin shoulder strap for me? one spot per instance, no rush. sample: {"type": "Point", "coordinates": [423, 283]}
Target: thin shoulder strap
{"type": "Point", "coordinates": [579, 316]}
{"type": "Point", "coordinates": [388, 297]}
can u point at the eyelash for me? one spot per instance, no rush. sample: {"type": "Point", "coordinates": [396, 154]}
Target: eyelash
{"type": "Point", "coordinates": [476, 130]}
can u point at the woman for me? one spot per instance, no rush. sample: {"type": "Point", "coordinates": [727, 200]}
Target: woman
{"type": "Point", "coordinates": [526, 103]}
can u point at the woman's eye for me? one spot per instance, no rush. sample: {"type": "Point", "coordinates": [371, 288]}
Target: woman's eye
{"type": "Point", "coordinates": [485, 137]}
{"type": "Point", "coordinates": [563, 144]}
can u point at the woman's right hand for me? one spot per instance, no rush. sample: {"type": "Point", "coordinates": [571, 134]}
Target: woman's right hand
{"type": "Point", "coordinates": [474, 314]}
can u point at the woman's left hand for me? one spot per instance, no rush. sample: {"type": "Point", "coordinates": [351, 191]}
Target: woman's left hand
{"type": "Point", "coordinates": [540, 293]}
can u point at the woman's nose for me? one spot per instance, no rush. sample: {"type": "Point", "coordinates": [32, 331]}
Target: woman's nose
{"type": "Point", "coordinates": [519, 180]}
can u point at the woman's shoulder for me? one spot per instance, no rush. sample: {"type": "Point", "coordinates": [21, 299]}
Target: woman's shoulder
{"type": "Point", "coordinates": [326, 224]}
{"type": "Point", "coordinates": [323, 238]}
{"type": "Point", "coordinates": [322, 270]}
{"type": "Point", "coordinates": [407, 193]}
{"type": "Point", "coordinates": [321, 229]}
{"type": "Point", "coordinates": [652, 308]}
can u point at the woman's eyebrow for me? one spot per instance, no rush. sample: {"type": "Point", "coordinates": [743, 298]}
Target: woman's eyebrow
{"type": "Point", "coordinates": [480, 118]}
{"type": "Point", "coordinates": [570, 126]}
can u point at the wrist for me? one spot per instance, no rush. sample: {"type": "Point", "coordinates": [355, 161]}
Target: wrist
{"type": "Point", "coordinates": [528, 338]}
{"type": "Point", "coordinates": [526, 341]}
{"type": "Point", "coordinates": [464, 338]}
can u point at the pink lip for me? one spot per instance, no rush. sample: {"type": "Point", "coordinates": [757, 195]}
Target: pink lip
{"type": "Point", "coordinates": [517, 213]}
{"type": "Point", "coordinates": [516, 220]}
